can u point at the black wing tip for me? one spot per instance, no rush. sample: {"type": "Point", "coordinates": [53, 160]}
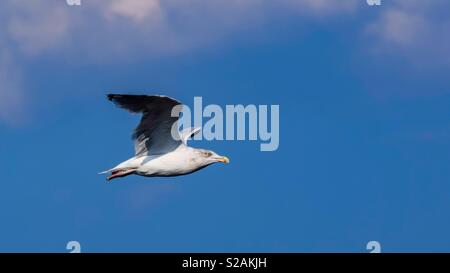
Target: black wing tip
{"type": "Point", "coordinates": [111, 97]}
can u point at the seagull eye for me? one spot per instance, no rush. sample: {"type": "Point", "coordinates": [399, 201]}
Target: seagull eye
{"type": "Point", "coordinates": [207, 154]}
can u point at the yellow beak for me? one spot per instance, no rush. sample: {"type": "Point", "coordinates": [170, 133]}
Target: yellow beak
{"type": "Point", "coordinates": [224, 159]}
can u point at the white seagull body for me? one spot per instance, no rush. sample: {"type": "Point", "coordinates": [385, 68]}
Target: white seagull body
{"type": "Point", "coordinates": [158, 153]}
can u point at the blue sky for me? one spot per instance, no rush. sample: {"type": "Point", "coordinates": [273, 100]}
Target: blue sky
{"type": "Point", "coordinates": [364, 130]}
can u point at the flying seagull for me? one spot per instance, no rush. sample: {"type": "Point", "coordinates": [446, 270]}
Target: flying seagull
{"type": "Point", "coordinates": [157, 152]}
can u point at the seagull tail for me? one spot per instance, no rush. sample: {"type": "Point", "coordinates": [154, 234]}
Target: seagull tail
{"type": "Point", "coordinates": [108, 171]}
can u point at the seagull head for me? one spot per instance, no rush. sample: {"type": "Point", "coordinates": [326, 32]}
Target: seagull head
{"type": "Point", "coordinates": [210, 157]}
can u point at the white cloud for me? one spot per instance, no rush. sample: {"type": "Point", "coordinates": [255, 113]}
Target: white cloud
{"type": "Point", "coordinates": [325, 7]}
{"type": "Point", "coordinates": [36, 27]}
{"type": "Point", "coordinates": [12, 97]}
{"type": "Point", "coordinates": [414, 29]}
{"type": "Point", "coordinates": [161, 27]}
{"type": "Point", "coordinates": [137, 10]}
{"type": "Point", "coordinates": [400, 28]}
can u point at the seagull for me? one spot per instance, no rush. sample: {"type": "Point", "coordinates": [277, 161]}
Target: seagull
{"type": "Point", "coordinates": [157, 152]}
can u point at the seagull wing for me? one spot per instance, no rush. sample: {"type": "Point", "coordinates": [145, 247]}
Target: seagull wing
{"type": "Point", "coordinates": [153, 134]}
{"type": "Point", "coordinates": [189, 133]}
